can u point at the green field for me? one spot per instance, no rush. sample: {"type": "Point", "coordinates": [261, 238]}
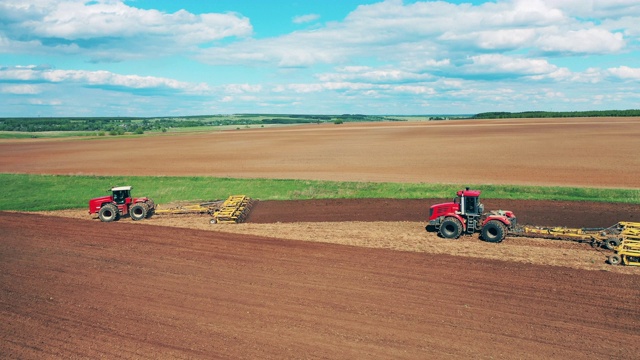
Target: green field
{"type": "Point", "coordinates": [23, 192]}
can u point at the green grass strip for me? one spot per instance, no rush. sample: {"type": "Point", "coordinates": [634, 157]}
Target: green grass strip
{"type": "Point", "coordinates": [24, 192]}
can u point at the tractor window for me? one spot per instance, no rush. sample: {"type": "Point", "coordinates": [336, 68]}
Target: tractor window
{"type": "Point", "coordinates": [119, 197]}
{"type": "Point", "coordinates": [471, 205]}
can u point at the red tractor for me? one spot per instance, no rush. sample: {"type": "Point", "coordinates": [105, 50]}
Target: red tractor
{"type": "Point", "coordinates": [119, 203]}
{"type": "Point", "coordinates": [466, 215]}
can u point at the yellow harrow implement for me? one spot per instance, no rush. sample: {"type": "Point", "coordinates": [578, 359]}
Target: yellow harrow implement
{"type": "Point", "coordinates": [233, 210]}
{"type": "Point", "coordinates": [202, 208]}
{"type": "Point", "coordinates": [628, 252]}
{"type": "Point", "coordinates": [623, 238]}
{"type": "Point", "coordinates": [610, 237]}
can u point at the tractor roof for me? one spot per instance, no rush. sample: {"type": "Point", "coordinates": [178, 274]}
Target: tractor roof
{"type": "Point", "coordinates": [469, 193]}
{"type": "Point", "coordinates": [120, 188]}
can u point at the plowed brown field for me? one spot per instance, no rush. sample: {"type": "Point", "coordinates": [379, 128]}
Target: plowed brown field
{"type": "Point", "coordinates": [366, 281]}
{"type": "Point", "coordinates": [85, 289]}
{"type": "Point", "coordinates": [596, 152]}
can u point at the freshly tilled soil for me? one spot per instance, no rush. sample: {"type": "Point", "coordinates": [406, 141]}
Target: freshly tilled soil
{"type": "Point", "coordinates": [80, 288]}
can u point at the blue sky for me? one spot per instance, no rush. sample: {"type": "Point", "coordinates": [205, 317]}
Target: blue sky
{"type": "Point", "coordinates": [172, 58]}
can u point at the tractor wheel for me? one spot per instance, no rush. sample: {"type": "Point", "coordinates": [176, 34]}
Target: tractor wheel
{"type": "Point", "coordinates": [611, 243]}
{"type": "Point", "coordinates": [451, 228]}
{"type": "Point", "coordinates": [615, 259]}
{"type": "Point", "coordinates": [152, 208]}
{"type": "Point", "coordinates": [108, 213]}
{"type": "Point", "coordinates": [138, 211]}
{"type": "Point", "coordinates": [494, 231]}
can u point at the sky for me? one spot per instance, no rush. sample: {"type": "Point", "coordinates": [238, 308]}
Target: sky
{"type": "Point", "coordinates": [151, 58]}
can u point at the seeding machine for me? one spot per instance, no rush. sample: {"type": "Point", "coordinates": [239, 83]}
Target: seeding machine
{"type": "Point", "coordinates": [465, 215]}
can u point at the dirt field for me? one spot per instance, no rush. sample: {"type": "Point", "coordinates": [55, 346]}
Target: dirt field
{"type": "Point", "coordinates": [400, 225]}
{"type": "Point", "coordinates": [595, 152]}
{"type": "Point", "coordinates": [71, 291]}
{"type": "Point", "coordinates": [331, 278]}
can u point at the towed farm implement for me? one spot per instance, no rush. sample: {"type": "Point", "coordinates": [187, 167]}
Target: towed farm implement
{"type": "Point", "coordinates": [623, 238]}
{"type": "Point", "coordinates": [234, 209]}
{"type": "Point", "coordinates": [465, 215]}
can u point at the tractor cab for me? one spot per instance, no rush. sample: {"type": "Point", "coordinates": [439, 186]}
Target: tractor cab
{"type": "Point", "coordinates": [121, 194]}
{"type": "Point", "coordinates": [469, 201]}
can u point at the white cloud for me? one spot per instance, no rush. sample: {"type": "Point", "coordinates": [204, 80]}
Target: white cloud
{"type": "Point", "coordinates": [96, 78]}
{"type": "Point", "coordinates": [494, 63]}
{"type": "Point", "coordinates": [242, 88]}
{"type": "Point", "coordinates": [392, 31]}
{"type": "Point", "coordinates": [587, 41]}
{"type": "Point", "coordinates": [597, 8]}
{"type": "Point", "coordinates": [305, 18]}
{"type": "Point", "coordinates": [22, 89]}
{"type": "Point", "coordinates": [110, 29]}
{"type": "Point", "coordinates": [53, 102]}
{"type": "Point", "coordinates": [625, 73]}
{"type": "Point", "coordinates": [373, 75]}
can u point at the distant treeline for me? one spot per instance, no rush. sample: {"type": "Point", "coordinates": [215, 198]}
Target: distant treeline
{"type": "Point", "coordinates": [555, 114]}
{"type": "Point", "coordinates": [111, 125]}
{"type": "Point", "coordinates": [120, 125]}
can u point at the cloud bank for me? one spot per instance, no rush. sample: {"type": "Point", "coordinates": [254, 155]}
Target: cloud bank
{"type": "Point", "coordinates": [386, 57]}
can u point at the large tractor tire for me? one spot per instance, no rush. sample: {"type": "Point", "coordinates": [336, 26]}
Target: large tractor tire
{"type": "Point", "coordinates": [494, 231]}
{"type": "Point", "coordinates": [451, 228]}
{"type": "Point", "coordinates": [138, 211]}
{"type": "Point", "coordinates": [108, 213]}
{"type": "Point", "coordinates": [151, 206]}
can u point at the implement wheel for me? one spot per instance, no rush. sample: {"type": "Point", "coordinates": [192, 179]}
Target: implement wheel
{"type": "Point", "coordinates": [451, 228]}
{"type": "Point", "coordinates": [611, 243]}
{"type": "Point", "coordinates": [138, 211]}
{"type": "Point", "coordinates": [494, 231]}
{"type": "Point", "coordinates": [615, 259]}
{"type": "Point", "coordinates": [108, 213]}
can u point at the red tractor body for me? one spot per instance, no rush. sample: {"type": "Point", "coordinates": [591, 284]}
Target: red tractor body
{"type": "Point", "coordinates": [119, 203]}
{"type": "Point", "coordinates": [465, 214]}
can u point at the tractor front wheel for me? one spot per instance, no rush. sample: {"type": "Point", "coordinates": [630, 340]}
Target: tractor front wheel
{"type": "Point", "coordinates": [494, 231]}
{"type": "Point", "coordinates": [108, 213]}
{"type": "Point", "coordinates": [451, 228]}
{"type": "Point", "coordinates": [138, 211]}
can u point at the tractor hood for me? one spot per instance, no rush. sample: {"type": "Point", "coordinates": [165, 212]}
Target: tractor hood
{"type": "Point", "coordinates": [96, 203]}
{"type": "Point", "coordinates": [437, 210]}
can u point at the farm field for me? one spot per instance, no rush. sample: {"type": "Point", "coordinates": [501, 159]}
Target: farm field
{"type": "Point", "coordinates": [589, 152]}
{"type": "Point", "coordinates": [326, 278]}
{"type": "Point", "coordinates": [69, 290]}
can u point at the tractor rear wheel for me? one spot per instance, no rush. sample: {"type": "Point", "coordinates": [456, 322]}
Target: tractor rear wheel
{"type": "Point", "coordinates": [108, 213]}
{"type": "Point", "coordinates": [138, 211]}
{"type": "Point", "coordinates": [494, 231]}
{"type": "Point", "coordinates": [451, 228]}
{"type": "Point", "coordinates": [151, 206]}
{"type": "Point", "coordinates": [611, 243]}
